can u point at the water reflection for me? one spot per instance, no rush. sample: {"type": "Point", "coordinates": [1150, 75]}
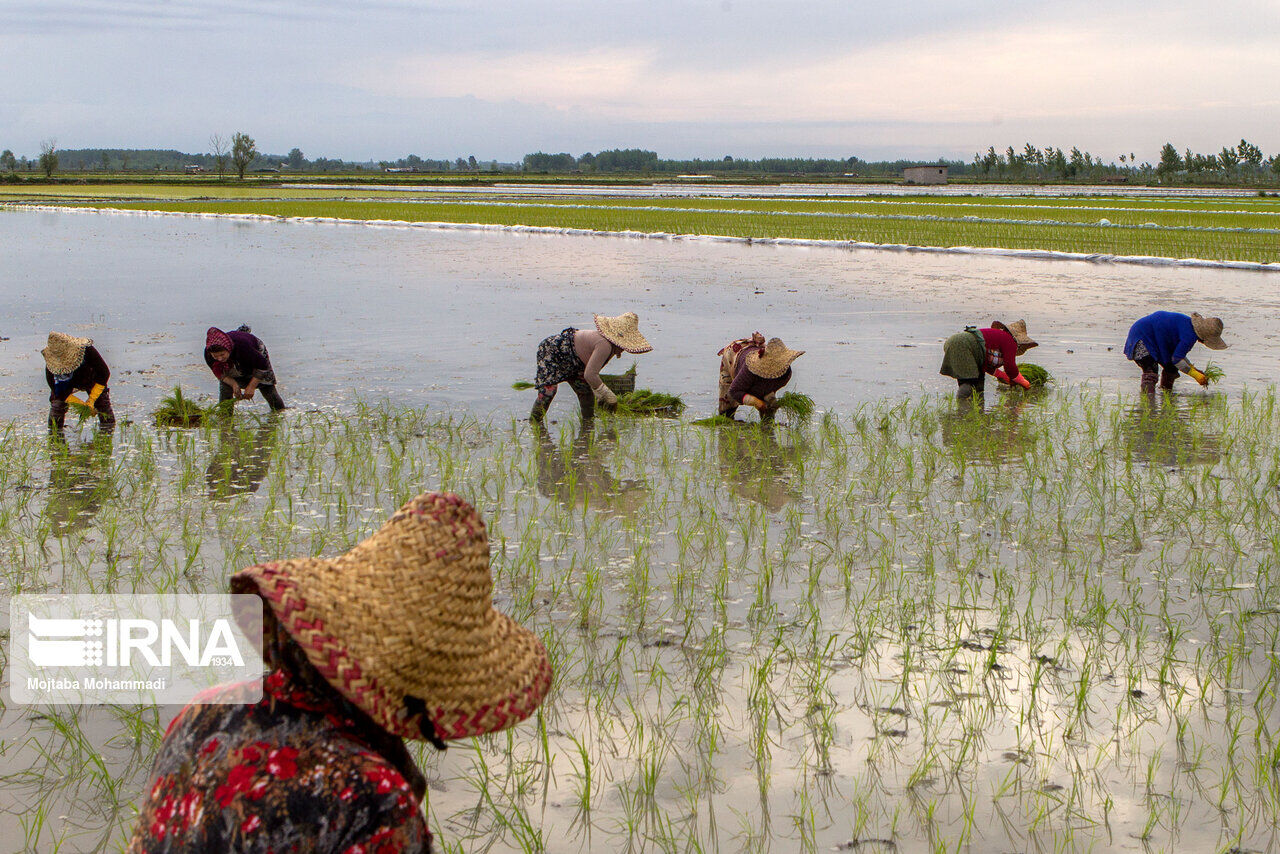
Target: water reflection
{"type": "Point", "coordinates": [991, 435]}
{"type": "Point", "coordinates": [242, 458]}
{"type": "Point", "coordinates": [758, 466]}
{"type": "Point", "coordinates": [1173, 430]}
{"type": "Point", "coordinates": [79, 482]}
{"type": "Point", "coordinates": [578, 474]}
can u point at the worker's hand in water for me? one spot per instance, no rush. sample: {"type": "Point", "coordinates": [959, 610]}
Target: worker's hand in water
{"type": "Point", "coordinates": [94, 393]}
{"type": "Point", "coordinates": [246, 394]}
{"type": "Point", "coordinates": [1000, 375]}
{"type": "Point", "coordinates": [1198, 376]}
{"type": "Point", "coordinates": [1022, 381]}
{"type": "Point", "coordinates": [752, 400]}
{"type": "Point", "coordinates": [605, 395]}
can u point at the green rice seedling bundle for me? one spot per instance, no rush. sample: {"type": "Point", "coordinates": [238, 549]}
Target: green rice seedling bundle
{"type": "Point", "coordinates": [646, 402]}
{"type": "Point", "coordinates": [1036, 375]}
{"type": "Point", "coordinates": [522, 385]}
{"type": "Point", "coordinates": [717, 421]}
{"type": "Point", "coordinates": [796, 404]}
{"type": "Point", "coordinates": [177, 410]}
{"type": "Point", "coordinates": [1213, 373]}
{"type": "Point", "coordinates": [83, 411]}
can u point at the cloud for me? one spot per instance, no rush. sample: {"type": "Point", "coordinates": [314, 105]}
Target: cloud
{"type": "Point", "coordinates": [1027, 71]}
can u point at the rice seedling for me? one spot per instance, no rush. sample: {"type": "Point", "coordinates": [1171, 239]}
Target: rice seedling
{"type": "Point", "coordinates": [1213, 373]}
{"type": "Point", "coordinates": [645, 402]}
{"type": "Point", "coordinates": [800, 406]}
{"type": "Point", "coordinates": [177, 410]}
{"type": "Point", "coordinates": [1036, 375]}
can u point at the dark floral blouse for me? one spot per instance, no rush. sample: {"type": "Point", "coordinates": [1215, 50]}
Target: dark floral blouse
{"type": "Point", "coordinates": [297, 771]}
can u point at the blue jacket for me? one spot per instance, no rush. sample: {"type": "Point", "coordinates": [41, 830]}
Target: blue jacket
{"type": "Point", "coordinates": [1167, 335]}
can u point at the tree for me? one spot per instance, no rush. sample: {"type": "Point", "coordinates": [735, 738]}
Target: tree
{"type": "Point", "coordinates": [49, 156]}
{"type": "Point", "coordinates": [1170, 162]}
{"type": "Point", "coordinates": [471, 163]}
{"type": "Point", "coordinates": [1249, 153]}
{"type": "Point", "coordinates": [218, 144]}
{"type": "Point", "coordinates": [243, 152]}
{"type": "Point", "coordinates": [106, 160]}
{"type": "Point", "coordinates": [8, 161]}
{"type": "Point", "coordinates": [1229, 159]}
{"type": "Point", "coordinates": [296, 160]}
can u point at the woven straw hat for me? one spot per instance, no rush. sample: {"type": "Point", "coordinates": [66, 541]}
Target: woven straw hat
{"type": "Point", "coordinates": [624, 331]}
{"type": "Point", "coordinates": [1209, 331]}
{"type": "Point", "coordinates": [64, 353]}
{"type": "Point", "coordinates": [1018, 329]}
{"type": "Point", "coordinates": [773, 361]}
{"type": "Point", "coordinates": [403, 624]}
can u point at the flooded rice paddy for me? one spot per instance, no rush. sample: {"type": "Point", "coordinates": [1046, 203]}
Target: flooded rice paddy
{"type": "Point", "coordinates": [1050, 626]}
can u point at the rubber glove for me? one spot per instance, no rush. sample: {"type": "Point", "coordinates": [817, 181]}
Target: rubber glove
{"type": "Point", "coordinates": [752, 400]}
{"type": "Point", "coordinates": [94, 392]}
{"type": "Point", "coordinates": [1022, 381]}
{"type": "Point", "coordinates": [605, 395]}
{"type": "Point", "coordinates": [1197, 376]}
{"type": "Point", "coordinates": [1000, 375]}
{"type": "Point", "coordinates": [71, 398]}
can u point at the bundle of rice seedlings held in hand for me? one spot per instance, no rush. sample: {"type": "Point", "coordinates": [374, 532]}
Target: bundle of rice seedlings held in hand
{"type": "Point", "coordinates": [799, 405]}
{"type": "Point", "coordinates": [1036, 375]}
{"type": "Point", "coordinates": [1213, 373]}
{"type": "Point", "coordinates": [179, 411]}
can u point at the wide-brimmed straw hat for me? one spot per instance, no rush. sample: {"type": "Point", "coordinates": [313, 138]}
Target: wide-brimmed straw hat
{"type": "Point", "coordinates": [1209, 331]}
{"type": "Point", "coordinates": [1018, 329]}
{"type": "Point", "coordinates": [624, 331]}
{"type": "Point", "coordinates": [403, 624]}
{"type": "Point", "coordinates": [64, 353]}
{"type": "Point", "coordinates": [773, 361]}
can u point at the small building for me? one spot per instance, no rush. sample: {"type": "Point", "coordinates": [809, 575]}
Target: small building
{"type": "Point", "coordinates": [193, 169]}
{"type": "Point", "coordinates": [925, 174]}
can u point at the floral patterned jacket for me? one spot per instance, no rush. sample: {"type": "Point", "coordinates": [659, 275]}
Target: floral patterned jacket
{"type": "Point", "coordinates": [296, 771]}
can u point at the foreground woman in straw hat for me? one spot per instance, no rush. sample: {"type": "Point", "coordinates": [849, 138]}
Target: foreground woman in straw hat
{"type": "Point", "coordinates": [1161, 341]}
{"type": "Point", "coordinates": [970, 355]}
{"type": "Point", "coordinates": [395, 639]}
{"type": "Point", "coordinates": [575, 356]}
{"type": "Point", "coordinates": [70, 365]}
{"type": "Point", "coordinates": [752, 372]}
{"type": "Point", "coordinates": [242, 365]}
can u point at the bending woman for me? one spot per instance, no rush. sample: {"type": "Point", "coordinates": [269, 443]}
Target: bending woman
{"type": "Point", "coordinates": [73, 364]}
{"type": "Point", "coordinates": [1161, 341]}
{"type": "Point", "coordinates": [970, 355]}
{"type": "Point", "coordinates": [752, 372]}
{"type": "Point", "coordinates": [575, 356]}
{"type": "Point", "coordinates": [242, 365]}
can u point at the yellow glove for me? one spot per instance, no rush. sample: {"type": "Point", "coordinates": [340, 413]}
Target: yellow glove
{"type": "Point", "coordinates": [94, 392]}
{"type": "Point", "coordinates": [752, 400]}
{"type": "Point", "coordinates": [71, 398]}
{"type": "Point", "coordinates": [1197, 376]}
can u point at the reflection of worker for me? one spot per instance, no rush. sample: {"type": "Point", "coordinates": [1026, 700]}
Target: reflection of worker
{"type": "Point", "coordinates": [242, 365]}
{"type": "Point", "coordinates": [758, 467]}
{"type": "Point", "coordinates": [242, 459]}
{"type": "Point", "coordinates": [580, 476]}
{"type": "Point", "coordinates": [79, 482]}
{"type": "Point", "coordinates": [575, 356]}
{"type": "Point", "coordinates": [969, 356]}
{"type": "Point", "coordinates": [1162, 340]}
{"type": "Point", "coordinates": [752, 372]}
{"type": "Point", "coordinates": [70, 365]}
{"type": "Point", "coordinates": [396, 639]}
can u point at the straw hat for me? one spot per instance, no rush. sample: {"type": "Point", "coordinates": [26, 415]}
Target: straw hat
{"type": "Point", "coordinates": [403, 624]}
{"type": "Point", "coordinates": [773, 361]}
{"type": "Point", "coordinates": [624, 331]}
{"type": "Point", "coordinates": [1018, 329]}
{"type": "Point", "coordinates": [1209, 331]}
{"type": "Point", "coordinates": [64, 353]}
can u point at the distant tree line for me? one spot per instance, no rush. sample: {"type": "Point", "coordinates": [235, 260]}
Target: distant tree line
{"type": "Point", "coordinates": [639, 160]}
{"type": "Point", "coordinates": [1242, 162]}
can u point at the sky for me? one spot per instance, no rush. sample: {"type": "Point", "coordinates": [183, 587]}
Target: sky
{"type": "Point", "coordinates": [381, 79]}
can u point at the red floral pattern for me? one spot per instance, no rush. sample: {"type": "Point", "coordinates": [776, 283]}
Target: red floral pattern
{"type": "Point", "coordinates": [293, 772]}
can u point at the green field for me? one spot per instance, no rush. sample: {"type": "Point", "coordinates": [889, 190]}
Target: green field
{"type": "Point", "coordinates": [1053, 627]}
{"type": "Point", "coordinates": [1215, 229]}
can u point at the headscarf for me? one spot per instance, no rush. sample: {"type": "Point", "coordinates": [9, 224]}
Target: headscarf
{"type": "Point", "coordinates": [216, 339]}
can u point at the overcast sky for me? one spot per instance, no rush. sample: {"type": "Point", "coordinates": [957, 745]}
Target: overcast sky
{"type": "Point", "coordinates": [380, 79]}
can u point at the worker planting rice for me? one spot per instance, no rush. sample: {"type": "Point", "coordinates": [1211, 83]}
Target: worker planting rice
{"type": "Point", "coordinates": [575, 356]}
{"type": "Point", "coordinates": [70, 365]}
{"type": "Point", "coordinates": [1161, 341]}
{"type": "Point", "coordinates": [752, 372]}
{"type": "Point", "coordinates": [242, 365]}
{"type": "Point", "coordinates": [969, 356]}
